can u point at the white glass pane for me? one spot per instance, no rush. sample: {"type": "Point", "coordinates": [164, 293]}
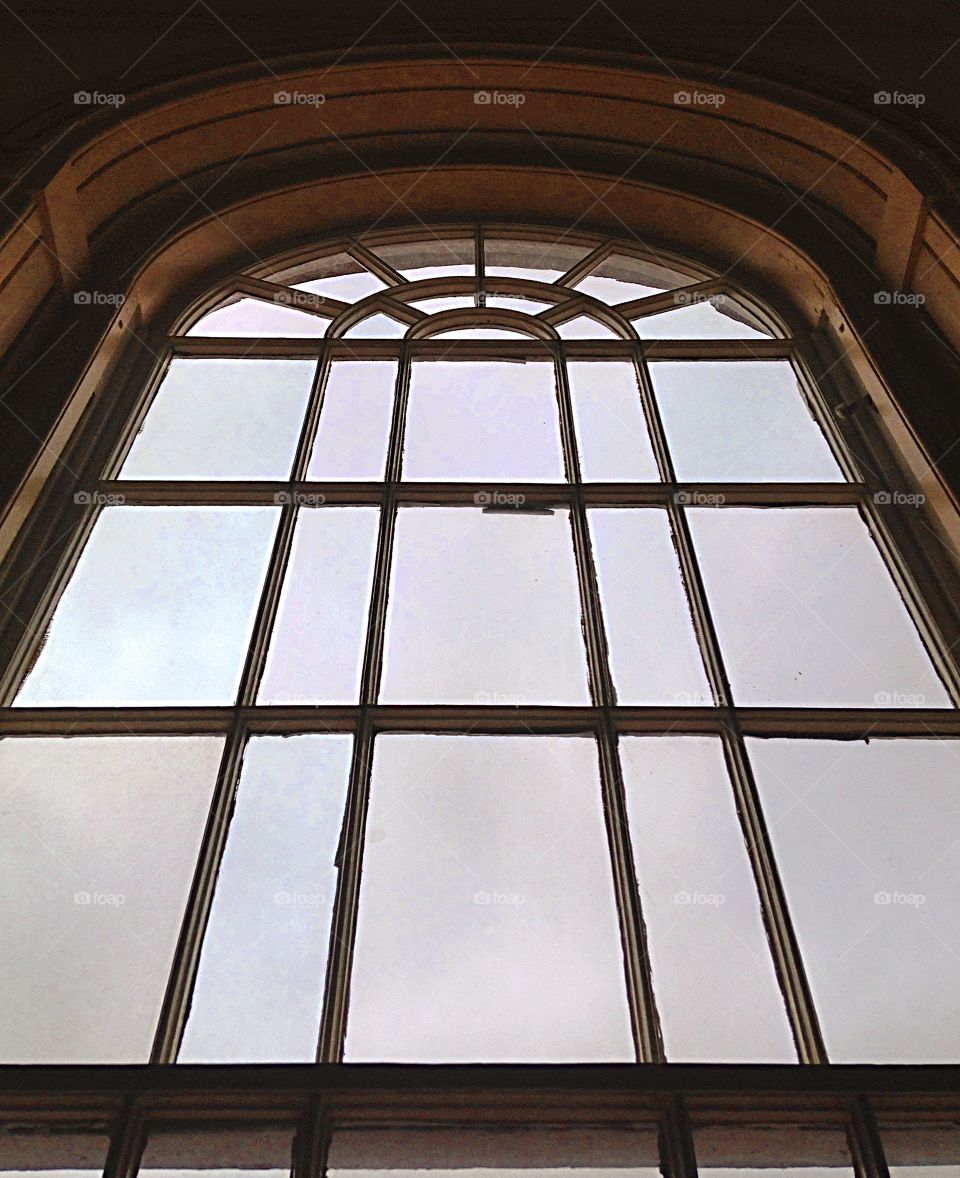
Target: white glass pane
{"type": "Point", "coordinates": [613, 291]}
{"type": "Point", "coordinates": [260, 982]}
{"type": "Point", "coordinates": [481, 333]}
{"type": "Point", "coordinates": [159, 609]}
{"type": "Point", "coordinates": [443, 303]}
{"type": "Point", "coordinates": [513, 303]}
{"type": "Point", "coordinates": [223, 419]}
{"type": "Point", "coordinates": [347, 288]}
{"type": "Point", "coordinates": [316, 649]}
{"type": "Point", "coordinates": [583, 327]}
{"type": "Point", "coordinates": [483, 420]}
{"type": "Point", "coordinates": [99, 839]}
{"type": "Point", "coordinates": [533, 273]}
{"type": "Point", "coordinates": [378, 326]}
{"type": "Point", "coordinates": [730, 421]}
{"type": "Point", "coordinates": [263, 1152]}
{"type": "Point", "coordinates": [611, 429]}
{"type": "Point", "coordinates": [806, 611]}
{"type": "Point", "coordinates": [431, 257]}
{"type": "Point", "coordinates": [865, 838]}
{"type": "Point", "coordinates": [259, 319]}
{"type": "Point", "coordinates": [925, 1149]}
{"type": "Point", "coordinates": [354, 431]}
{"type": "Point", "coordinates": [487, 929]}
{"type": "Point", "coordinates": [715, 985]}
{"type": "Point", "coordinates": [773, 1151]}
{"type": "Point", "coordinates": [516, 1152]}
{"type": "Point", "coordinates": [653, 651]}
{"type": "Point", "coordinates": [483, 608]}
{"type": "Point", "coordinates": [695, 321]}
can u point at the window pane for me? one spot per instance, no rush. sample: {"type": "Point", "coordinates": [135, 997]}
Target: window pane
{"type": "Point", "coordinates": [613, 291]}
{"type": "Point", "coordinates": [487, 929]}
{"type": "Point", "coordinates": [443, 303]}
{"type": "Point", "coordinates": [433, 257]}
{"type": "Point", "coordinates": [339, 277]}
{"type": "Point", "coordinates": [98, 842]}
{"type": "Point", "coordinates": [256, 318]}
{"type": "Point", "coordinates": [713, 976]}
{"type": "Point", "coordinates": [196, 1152]}
{"type": "Point", "coordinates": [699, 320]}
{"type": "Point", "coordinates": [583, 327]}
{"type": "Point", "coordinates": [653, 651]}
{"type": "Point", "coordinates": [865, 837]}
{"type": "Point", "coordinates": [477, 420]}
{"type": "Point", "coordinates": [729, 421]}
{"type": "Point", "coordinates": [482, 333]}
{"type": "Point", "coordinates": [611, 429]}
{"type": "Point", "coordinates": [51, 1150]}
{"type": "Point", "coordinates": [316, 650]}
{"type": "Point", "coordinates": [769, 1151]}
{"type": "Point", "coordinates": [159, 609]}
{"type": "Point", "coordinates": [378, 326]}
{"type": "Point", "coordinates": [354, 431]}
{"type": "Point", "coordinates": [260, 982]}
{"type": "Point", "coordinates": [514, 303]}
{"type": "Point", "coordinates": [483, 608]}
{"type": "Point", "coordinates": [925, 1149]}
{"type": "Point", "coordinates": [505, 1153]}
{"type": "Point", "coordinates": [807, 612]}
{"type": "Point", "coordinates": [542, 261]}
{"type": "Point", "coordinates": [223, 419]}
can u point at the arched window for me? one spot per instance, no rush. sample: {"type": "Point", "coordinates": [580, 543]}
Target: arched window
{"type": "Point", "coordinates": [485, 646]}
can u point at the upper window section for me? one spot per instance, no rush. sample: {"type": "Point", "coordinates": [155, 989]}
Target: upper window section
{"type": "Point", "coordinates": [482, 285]}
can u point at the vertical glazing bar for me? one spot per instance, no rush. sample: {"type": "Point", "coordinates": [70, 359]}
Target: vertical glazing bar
{"type": "Point", "coordinates": [780, 934]}
{"type": "Point", "coordinates": [480, 266]}
{"type": "Point", "coordinates": [350, 853]}
{"type": "Point", "coordinates": [866, 1146]}
{"type": "Point", "coordinates": [678, 1157]}
{"type": "Point", "coordinates": [642, 1002]}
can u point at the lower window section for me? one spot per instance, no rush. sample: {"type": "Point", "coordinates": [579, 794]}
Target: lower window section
{"type": "Point", "coordinates": [487, 925]}
{"type": "Point", "coordinates": [771, 1150]}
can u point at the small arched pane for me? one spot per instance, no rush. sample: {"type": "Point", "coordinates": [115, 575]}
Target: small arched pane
{"type": "Point", "coordinates": [378, 326]}
{"type": "Point", "coordinates": [583, 327]}
{"type": "Point", "coordinates": [480, 333]}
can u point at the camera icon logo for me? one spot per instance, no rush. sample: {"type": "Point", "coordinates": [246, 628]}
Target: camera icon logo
{"type": "Point", "coordinates": [482, 97]}
{"type": "Point", "coordinates": [882, 98]}
{"type": "Point", "coordinates": [282, 98]}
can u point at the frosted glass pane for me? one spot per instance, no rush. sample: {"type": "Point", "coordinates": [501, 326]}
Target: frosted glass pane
{"type": "Point", "coordinates": [217, 1153]}
{"type": "Point", "coordinates": [713, 976]}
{"type": "Point", "coordinates": [354, 431]}
{"type": "Point", "coordinates": [611, 429]}
{"type": "Point", "coordinates": [516, 1152]}
{"type": "Point", "coordinates": [159, 609]}
{"type": "Point", "coordinates": [807, 612]}
{"type": "Point", "coordinates": [487, 929]}
{"type": "Point", "coordinates": [612, 291]}
{"type": "Point", "coordinates": [347, 288]}
{"type": "Point", "coordinates": [99, 839]}
{"type": "Point", "coordinates": [256, 318]}
{"type": "Point", "coordinates": [773, 1151]}
{"type": "Point", "coordinates": [728, 421]}
{"type": "Point", "coordinates": [926, 1149]}
{"type": "Point", "coordinates": [52, 1150]}
{"type": "Point", "coordinates": [223, 419]}
{"type": "Point", "coordinates": [653, 651]}
{"type": "Point", "coordinates": [479, 420]}
{"type": "Point", "coordinates": [316, 650]}
{"type": "Point", "coordinates": [544, 261]}
{"type": "Point", "coordinates": [260, 982]}
{"type": "Point", "coordinates": [695, 321]}
{"type": "Point", "coordinates": [443, 303]}
{"type": "Point", "coordinates": [483, 608]}
{"type": "Point", "coordinates": [378, 326]}
{"type": "Point", "coordinates": [865, 837]}
{"type": "Point", "coordinates": [583, 327]}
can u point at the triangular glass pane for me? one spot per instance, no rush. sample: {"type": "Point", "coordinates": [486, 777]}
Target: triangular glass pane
{"type": "Point", "coordinates": [695, 321]}
{"type": "Point", "coordinates": [583, 327]}
{"type": "Point", "coordinates": [348, 288]}
{"type": "Point", "coordinates": [612, 290]}
{"type": "Point", "coordinates": [256, 319]}
{"type": "Point", "coordinates": [378, 326]}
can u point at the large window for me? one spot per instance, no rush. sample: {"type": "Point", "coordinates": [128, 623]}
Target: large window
{"type": "Point", "coordinates": [483, 649]}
